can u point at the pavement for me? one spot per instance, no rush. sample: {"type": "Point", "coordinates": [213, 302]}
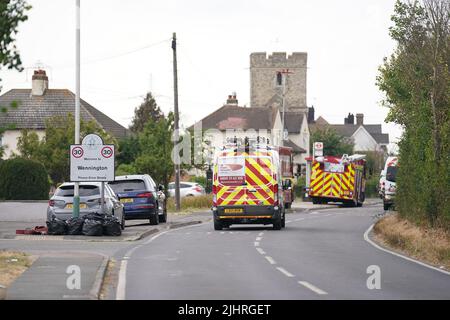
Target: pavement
{"type": "Point", "coordinates": [55, 254]}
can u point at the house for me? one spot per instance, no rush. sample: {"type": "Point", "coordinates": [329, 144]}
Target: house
{"type": "Point", "coordinates": [233, 121]}
{"type": "Point", "coordinates": [40, 103]}
{"type": "Point", "coordinates": [366, 137]}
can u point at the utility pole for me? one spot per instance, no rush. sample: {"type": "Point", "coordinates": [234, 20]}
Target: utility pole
{"type": "Point", "coordinates": [76, 193]}
{"type": "Point", "coordinates": [176, 123]}
{"type": "Point", "coordinates": [285, 74]}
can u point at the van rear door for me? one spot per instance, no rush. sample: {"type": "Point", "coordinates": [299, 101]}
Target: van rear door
{"type": "Point", "coordinates": [260, 180]}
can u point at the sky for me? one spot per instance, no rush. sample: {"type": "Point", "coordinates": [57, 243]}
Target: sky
{"type": "Point", "coordinates": [126, 52]}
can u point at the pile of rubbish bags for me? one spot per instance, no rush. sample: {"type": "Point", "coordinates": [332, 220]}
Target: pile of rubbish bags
{"type": "Point", "coordinates": [93, 224]}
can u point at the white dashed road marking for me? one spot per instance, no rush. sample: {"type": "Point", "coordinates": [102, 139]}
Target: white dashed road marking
{"type": "Point", "coordinates": [271, 261]}
{"type": "Point", "coordinates": [312, 288]}
{"type": "Point", "coordinates": [285, 272]}
{"type": "Point", "coordinates": [261, 251]}
{"type": "Point", "coordinates": [256, 244]}
{"type": "Point", "coordinates": [258, 239]}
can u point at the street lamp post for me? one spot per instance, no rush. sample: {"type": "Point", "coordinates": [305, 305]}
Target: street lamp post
{"type": "Point", "coordinates": [76, 193]}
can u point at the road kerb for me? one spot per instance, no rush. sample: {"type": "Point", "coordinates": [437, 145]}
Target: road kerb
{"type": "Point", "coordinates": [100, 276]}
{"type": "Point", "coordinates": [423, 264]}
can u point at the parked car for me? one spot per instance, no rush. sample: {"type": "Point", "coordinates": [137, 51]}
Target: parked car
{"type": "Point", "coordinates": [60, 204]}
{"type": "Point", "coordinates": [187, 189]}
{"type": "Point", "coordinates": [141, 197]}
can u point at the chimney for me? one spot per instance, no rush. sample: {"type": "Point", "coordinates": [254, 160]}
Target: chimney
{"type": "Point", "coordinates": [350, 119]}
{"type": "Point", "coordinates": [39, 83]}
{"type": "Point", "coordinates": [359, 119]}
{"type": "Point", "coordinates": [232, 99]}
{"type": "Point", "coordinates": [311, 115]}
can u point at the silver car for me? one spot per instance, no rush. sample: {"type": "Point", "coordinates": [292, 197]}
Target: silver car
{"type": "Point", "coordinates": [61, 203]}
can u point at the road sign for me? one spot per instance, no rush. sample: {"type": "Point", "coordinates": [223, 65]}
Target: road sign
{"type": "Point", "coordinates": [92, 161]}
{"type": "Point", "coordinates": [318, 149]}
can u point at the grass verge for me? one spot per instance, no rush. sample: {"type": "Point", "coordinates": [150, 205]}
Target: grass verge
{"type": "Point", "coordinates": [12, 265]}
{"type": "Point", "coordinates": [190, 204]}
{"type": "Point", "coordinates": [422, 243]}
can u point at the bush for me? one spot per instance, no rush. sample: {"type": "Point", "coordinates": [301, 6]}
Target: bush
{"type": "Point", "coordinates": [23, 179]}
{"type": "Point", "coordinates": [200, 180]}
{"type": "Point", "coordinates": [372, 187]}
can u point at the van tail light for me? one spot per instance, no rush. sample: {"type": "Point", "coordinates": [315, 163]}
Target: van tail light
{"type": "Point", "coordinates": [145, 195]}
{"type": "Point", "coordinates": [198, 189]}
{"type": "Point", "coordinates": [275, 193]}
{"type": "Point", "coordinates": [51, 203]}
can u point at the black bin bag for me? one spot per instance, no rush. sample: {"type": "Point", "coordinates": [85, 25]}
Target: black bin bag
{"type": "Point", "coordinates": [75, 226]}
{"type": "Point", "coordinates": [111, 227]}
{"type": "Point", "coordinates": [57, 227]}
{"type": "Point", "coordinates": [93, 228]}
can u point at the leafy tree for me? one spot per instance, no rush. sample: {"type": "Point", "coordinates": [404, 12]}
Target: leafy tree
{"type": "Point", "coordinates": [156, 150]}
{"type": "Point", "coordinates": [53, 150]}
{"type": "Point", "coordinates": [126, 169]}
{"type": "Point", "coordinates": [12, 12]}
{"type": "Point", "coordinates": [416, 82]}
{"type": "Point", "coordinates": [333, 143]}
{"type": "Point", "coordinates": [148, 110]}
{"type": "Point", "coordinates": [129, 150]}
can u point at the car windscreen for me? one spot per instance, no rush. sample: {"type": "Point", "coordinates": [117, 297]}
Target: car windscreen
{"type": "Point", "coordinates": [127, 185]}
{"type": "Point", "coordinates": [391, 174]}
{"type": "Point", "coordinates": [85, 191]}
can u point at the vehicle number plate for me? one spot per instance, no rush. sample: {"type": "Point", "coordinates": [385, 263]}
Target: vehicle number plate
{"type": "Point", "coordinates": [240, 210]}
{"type": "Point", "coordinates": [82, 206]}
{"type": "Point", "coordinates": [126, 200]}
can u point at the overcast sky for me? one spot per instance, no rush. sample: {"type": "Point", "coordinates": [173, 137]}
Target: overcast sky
{"type": "Point", "coordinates": [126, 51]}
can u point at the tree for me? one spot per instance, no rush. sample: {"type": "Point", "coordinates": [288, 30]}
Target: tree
{"type": "Point", "coordinates": [129, 150]}
{"type": "Point", "coordinates": [53, 150]}
{"type": "Point", "coordinates": [416, 83]}
{"type": "Point", "coordinates": [12, 12]}
{"type": "Point", "coordinates": [148, 110]}
{"type": "Point", "coordinates": [333, 143]}
{"type": "Point", "coordinates": [156, 150]}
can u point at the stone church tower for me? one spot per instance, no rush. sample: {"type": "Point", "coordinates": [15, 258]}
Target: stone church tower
{"type": "Point", "coordinates": [267, 83]}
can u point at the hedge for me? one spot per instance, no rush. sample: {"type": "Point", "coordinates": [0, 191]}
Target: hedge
{"type": "Point", "coordinates": [23, 179]}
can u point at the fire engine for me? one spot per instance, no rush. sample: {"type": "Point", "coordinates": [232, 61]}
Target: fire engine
{"type": "Point", "coordinates": [247, 186]}
{"type": "Point", "coordinates": [337, 179]}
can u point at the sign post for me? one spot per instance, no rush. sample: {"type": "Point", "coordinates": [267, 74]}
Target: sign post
{"type": "Point", "coordinates": [92, 161]}
{"type": "Point", "coordinates": [318, 149]}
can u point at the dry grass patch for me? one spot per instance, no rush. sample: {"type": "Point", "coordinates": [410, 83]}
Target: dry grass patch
{"type": "Point", "coordinates": [422, 243]}
{"type": "Point", "coordinates": [12, 265]}
{"type": "Point", "coordinates": [190, 204]}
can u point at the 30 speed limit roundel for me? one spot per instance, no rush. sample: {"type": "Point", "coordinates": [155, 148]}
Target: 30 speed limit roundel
{"type": "Point", "coordinates": [77, 152]}
{"type": "Point", "coordinates": [107, 152]}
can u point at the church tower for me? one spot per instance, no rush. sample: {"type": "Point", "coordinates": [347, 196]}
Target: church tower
{"type": "Point", "coordinates": [267, 75]}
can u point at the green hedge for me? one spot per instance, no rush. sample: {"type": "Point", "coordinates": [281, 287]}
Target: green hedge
{"type": "Point", "coordinates": [23, 179]}
{"type": "Point", "coordinates": [372, 187]}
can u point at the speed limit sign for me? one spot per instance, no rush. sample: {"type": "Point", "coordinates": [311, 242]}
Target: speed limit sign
{"type": "Point", "coordinates": [92, 161]}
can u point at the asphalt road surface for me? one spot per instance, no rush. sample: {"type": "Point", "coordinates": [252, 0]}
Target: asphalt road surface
{"type": "Point", "coordinates": [320, 255]}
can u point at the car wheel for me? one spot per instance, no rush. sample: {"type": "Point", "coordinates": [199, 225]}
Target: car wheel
{"type": "Point", "coordinates": [154, 219]}
{"type": "Point", "coordinates": [163, 218]}
{"type": "Point", "coordinates": [385, 206]}
{"type": "Point", "coordinates": [122, 224]}
{"type": "Point", "coordinates": [277, 223]}
{"type": "Point", "coordinates": [217, 225]}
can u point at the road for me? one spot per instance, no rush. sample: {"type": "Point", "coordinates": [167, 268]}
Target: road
{"type": "Point", "coordinates": [320, 255]}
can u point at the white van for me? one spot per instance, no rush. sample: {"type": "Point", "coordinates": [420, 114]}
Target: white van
{"type": "Point", "coordinates": [390, 186]}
